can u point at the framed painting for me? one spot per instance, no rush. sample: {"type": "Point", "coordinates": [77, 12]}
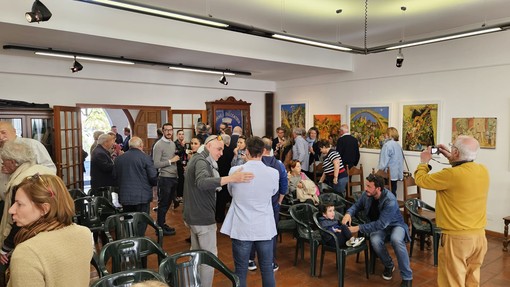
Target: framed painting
{"type": "Point", "coordinates": [482, 129]}
{"type": "Point", "coordinates": [419, 126]}
{"type": "Point", "coordinates": [327, 125]}
{"type": "Point", "coordinates": [293, 115]}
{"type": "Point", "coordinates": [368, 124]}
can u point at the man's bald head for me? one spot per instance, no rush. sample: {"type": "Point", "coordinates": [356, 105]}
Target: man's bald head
{"type": "Point", "coordinates": [468, 147]}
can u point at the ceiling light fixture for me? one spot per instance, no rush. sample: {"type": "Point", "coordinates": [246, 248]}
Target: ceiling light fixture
{"type": "Point", "coordinates": [223, 80]}
{"type": "Point", "coordinates": [39, 13]}
{"type": "Point", "coordinates": [122, 60]}
{"type": "Point", "coordinates": [310, 42]}
{"type": "Point", "coordinates": [156, 12]}
{"type": "Point", "coordinates": [76, 66]}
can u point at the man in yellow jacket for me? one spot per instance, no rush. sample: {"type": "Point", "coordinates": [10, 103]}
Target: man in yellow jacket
{"type": "Point", "coordinates": [461, 211]}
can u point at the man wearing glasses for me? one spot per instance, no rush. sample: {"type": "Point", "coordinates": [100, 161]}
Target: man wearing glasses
{"type": "Point", "coordinates": [165, 159]}
{"type": "Point", "coordinates": [461, 211]}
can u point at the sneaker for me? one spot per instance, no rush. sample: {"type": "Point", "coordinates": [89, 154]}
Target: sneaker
{"type": "Point", "coordinates": [358, 241]}
{"type": "Point", "coordinates": [168, 228]}
{"type": "Point", "coordinates": [167, 232]}
{"type": "Point", "coordinates": [406, 283]}
{"type": "Point", "coordinates": [275, 267]}
{"type": "Point", "coordinates": [251, 265]}
{"type": "Point", "coordinates": [388, 273]}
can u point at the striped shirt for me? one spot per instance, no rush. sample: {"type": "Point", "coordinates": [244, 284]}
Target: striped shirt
{"type": "Point", "coordinates": [329, 167]}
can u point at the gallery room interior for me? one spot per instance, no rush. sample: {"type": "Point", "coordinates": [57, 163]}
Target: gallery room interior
{"type": "Point", "coordinates": [465, 78]}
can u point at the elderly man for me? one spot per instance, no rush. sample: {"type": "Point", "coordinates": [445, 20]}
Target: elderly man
{"type": "Point", "coordinates": [385, 224]}
{"type": "Point", "coordinates": [461, 211]}
{"type": "Point", "coordinates": [347, 146]}
{"type": "Point", "coordinates": [300, 149]}
{"type": "Point", "coordinates": [238, 131]}
{"type": "Point", "coordinates": [18, 162]}
{"type": "Point", "coordinates": [136, 175]}
{"type": "Point", "coordinates": [202, 181]}
{"type": "Point", "coordinates": [101, 163]}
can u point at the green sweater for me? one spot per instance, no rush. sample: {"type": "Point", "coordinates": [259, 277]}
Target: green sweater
{"type": "Point", "coordinates": [461, 202]}
{"type": "Point", "coordinates": [59, 258]}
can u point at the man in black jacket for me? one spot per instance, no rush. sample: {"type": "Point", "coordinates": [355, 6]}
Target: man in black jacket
{"type": "Point", "coordinates": [136, 175]}
{"type": "Point", "coordinates": [347, 146]}
{"type": "Point", "coordinates": [101, 163]}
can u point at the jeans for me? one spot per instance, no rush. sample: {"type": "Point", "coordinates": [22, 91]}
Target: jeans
{"type": "Point", "coordinates": [276, 213]}
{"type": "Point", "coordinates": [339, 188]}
{"type": "Point", "coordinates": [396, 236]}
{"type": "Point", "coordinates": [241, 251]}
{"type": "Point", "coordinates": [166, 194]}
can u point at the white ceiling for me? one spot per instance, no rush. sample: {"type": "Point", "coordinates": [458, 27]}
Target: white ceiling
{"type": "Point", "coordinates": [305, 18]}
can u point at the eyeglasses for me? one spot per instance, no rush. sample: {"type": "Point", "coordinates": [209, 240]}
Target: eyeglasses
{"type": "Point", "coordinates": [168, 130]}
{"type": "Point", "coordinates": [211, 138]}
{"type": "Point", "coordinates": [452, 145]}
{"type": "Point", "coordinates": [37, 177]}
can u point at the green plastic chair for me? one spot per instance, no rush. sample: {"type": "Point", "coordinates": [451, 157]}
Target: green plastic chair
{"type": "Point", "coordinates": [127, 278]}
{"type": "Point", "coordinates": [422, 226]}
{"type": "Point", "coordinates": [182, 269]}
{"type": "Point", "coordinates": [128, 254]}
{"type": "Point", "coordinates": [307, 231]}
{"type": "Point", "coordinates": [335, 199]}
{"type": "Point", "coordinates": [286, 223]}
{"type": "Point", "coordinates": [130, 224]}
{"type": "Point", "coordinates": [341, 252]}
{"type": "Point", "coordinates": [76, 193]}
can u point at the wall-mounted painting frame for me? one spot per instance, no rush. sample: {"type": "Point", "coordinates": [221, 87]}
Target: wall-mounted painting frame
{"type": "Point", "coordinates": [482, 129]}
{"type": "Point", "coordinates": [368, 123]}
{"type": "Point", "coordinates": [293, 115]}
{"type": "Point", "coordinates": [327, 125]}
{"type": "Point", "coordinates": [420, 125]}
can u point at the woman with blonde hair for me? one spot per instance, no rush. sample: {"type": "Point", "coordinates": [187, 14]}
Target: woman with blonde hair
{"type": "Point", "coordinates": [50, 249]}
{"type": "Point", "coordinates": [392, 157]}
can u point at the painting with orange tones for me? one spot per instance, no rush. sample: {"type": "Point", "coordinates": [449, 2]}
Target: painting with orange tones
{"type": "Point", "coordinates": [327, 125]}
{"type": "Point", "coordinates": [482, 129]}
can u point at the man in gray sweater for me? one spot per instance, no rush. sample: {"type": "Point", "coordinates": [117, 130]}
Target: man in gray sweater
{"type": "Point", "coordinates": [165, 160]}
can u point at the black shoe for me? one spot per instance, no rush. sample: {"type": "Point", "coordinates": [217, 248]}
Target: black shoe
{"type": "Point", "coordinates": [168, 228]}
{"type": "Point", "coordinates": [406, 283]}
{"type": "Point", "coordinates": [388, 273]}
{"type": "Point", "coordinates": [176, 204]}
{"type": "Point", "coordinates": [188, 239]}
{"type": "Point", "coordinates": [155, 209]}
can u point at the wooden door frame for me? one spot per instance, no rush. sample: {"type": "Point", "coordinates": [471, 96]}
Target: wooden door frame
{"type": "Point", "coordinates": [126, 108]}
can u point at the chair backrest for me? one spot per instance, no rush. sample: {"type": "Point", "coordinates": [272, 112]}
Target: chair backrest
{"type": "Point", "coordinates": [131, 224]}
{"type": "Point", "coordinates": [302, 213]}
{"type": "Point", "coordinates": [76, 193]}
{"type": "Point", "coordinates": [408, 183]}
{"type": "Point", "coordinates": [128, 254]}
{"type": "Point", "coordinates": [415, 206]}
{"type": "Point", "coordinates": [182, 269]}
{"type": "Point", "coordinates": [93, 211]}
{"type": "Point", "coordinates": [334, 199]}
{"type": "Point", "coordinates": [323, 231]}
{"type": "Point", "coordinates": [353, 172]}
{"type": "Point", "coordinates": [127, 278]}
{"type": "Point", "coordinates": [386, 175]}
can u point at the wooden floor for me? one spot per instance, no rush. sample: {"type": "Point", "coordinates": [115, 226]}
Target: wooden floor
{"type": "Point", "coordinates": [424, 273]}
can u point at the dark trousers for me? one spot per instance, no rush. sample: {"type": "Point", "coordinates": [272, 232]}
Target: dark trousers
{"type": "Point", "coordinates": [222, 198]}
{"type": "Point", "coordinates": [180, 183]}
{"type": "Point", "coordinates": [394, 187]}
{"type": "Point", "coordinates": [166, 194]}
{"type": "Point", "coordinates": [342, 236]}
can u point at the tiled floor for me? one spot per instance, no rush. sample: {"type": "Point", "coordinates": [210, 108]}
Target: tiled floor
{"type": "Point", "coordinates": [493, 270]}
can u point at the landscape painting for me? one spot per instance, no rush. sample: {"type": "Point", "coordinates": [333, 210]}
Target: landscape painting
{"type": "Point", "coordinates": [327, 125]}
{"type": "Point", "coordinates": [369, 124]}
{"type": "Point", "coordinates": [482, 129]}
{"type": "Point", "coordinates": [419, 126]}
{"type": "Point", "coordinates": [293, 116]}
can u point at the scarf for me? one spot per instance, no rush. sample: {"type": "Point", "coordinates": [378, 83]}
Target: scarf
{"type": "Point", "coordinates": [214, 166]}
{"type": "Point", "coordinates": [41, 225]}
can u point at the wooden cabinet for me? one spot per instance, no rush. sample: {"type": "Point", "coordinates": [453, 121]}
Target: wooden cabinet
{"type": "Point", "coordinates": [231, 111]}
{"type": "Point", "coordinates": [35, 123]}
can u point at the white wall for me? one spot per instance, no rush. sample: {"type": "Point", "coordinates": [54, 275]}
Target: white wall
{"type": "Point", "coordinates": [469, 77]}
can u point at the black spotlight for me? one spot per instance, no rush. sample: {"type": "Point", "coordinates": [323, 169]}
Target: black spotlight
{"type": "Point", "coordinates": [39, 13]}
{"type": "Point", "coordinates": [400, 58]}
{"type": "Point", "coordinates": [223, 80]}
{"type": "Point", "coordinates": [76, 66]}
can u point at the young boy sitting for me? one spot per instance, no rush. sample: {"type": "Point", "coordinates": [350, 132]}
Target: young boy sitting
{"type": "Point", "coordinates": [341, 231]}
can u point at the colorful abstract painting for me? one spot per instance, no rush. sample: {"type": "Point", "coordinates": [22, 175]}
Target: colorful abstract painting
{"type": "Point", "coordinates": [293, 116]}
{"type": "Point", "coordinates": [369, 124]}
{"type": "Point", "coordinates": [419, 126]}
{"type": "Point", "coordinates": [482, 129]}
{"type": "Point", "coordinates": [327, 125]}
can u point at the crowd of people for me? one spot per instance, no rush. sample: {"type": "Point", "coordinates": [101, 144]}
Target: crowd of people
{"type": "Point", "coordinates": [255, 175]}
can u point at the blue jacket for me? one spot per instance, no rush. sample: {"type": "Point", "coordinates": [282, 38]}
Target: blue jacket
{"type": "Point", "coordinates": [392, 157]}
{"type": "Point", "coordinates": [389, 213]}
{"type": "Point", "coordinates": [283, 185]}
